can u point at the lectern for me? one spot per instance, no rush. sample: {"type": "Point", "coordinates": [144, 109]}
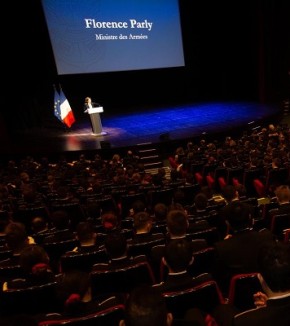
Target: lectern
{"type": "Point", "coordinates": [96, 120]}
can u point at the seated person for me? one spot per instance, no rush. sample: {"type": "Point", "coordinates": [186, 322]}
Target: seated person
{"type": "Point", "coordinates": [16, 239]}
{"type": "Point", "coordinates": [237, 253]}
{"type": "Point", "coordinates": [86, 236]}
{"type": "Point", "coordinates": [274, 303]}
{"type": "Point", "coordinates": [75, 298]}
{"type": "Point", "coordinates": [199, 209]}
{"type": "Point", "coordinates": [145, 306]}
{"type": "Point", "coordinates": [142, 227]}
{"type": "Point", "coordinates": [110, 224]}
{"type": "Point", "coordinates": [159, 218]}
{"type": "Point", "coordinates": [40, 229]}
{"type": "Point", "coordinates": [177, 258]}
{"type": "Point", "coordinates": [177, 227]}
{"type": "Point", "coordinates": [34, 262]}
{"type": "Point", "coordinates": [274, 276]}
{"type": "Point", "coordinates": [117, 249]}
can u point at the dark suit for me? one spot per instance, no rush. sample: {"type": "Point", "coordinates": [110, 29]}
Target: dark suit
{"type": "Point", "coordinates": [275, 313]}
{"type": "Point", "coordinates": [94, 105]}
{"type": "Point", "coordinates": [238, 254]}
{"type": "Point", "coordinates": [227, 210]}
{"type": "Point", "coordinates": [157, 252]}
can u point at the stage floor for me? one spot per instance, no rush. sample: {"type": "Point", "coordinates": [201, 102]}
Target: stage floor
{"type": "Point", "coordinates": [151, 125]}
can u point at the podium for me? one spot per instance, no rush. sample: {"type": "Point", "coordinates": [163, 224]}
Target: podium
{"type": "Point", "coordinates": [96, 120]}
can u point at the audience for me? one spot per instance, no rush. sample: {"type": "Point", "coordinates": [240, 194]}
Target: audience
{"type": "Point", "coordinates": [237, 252]}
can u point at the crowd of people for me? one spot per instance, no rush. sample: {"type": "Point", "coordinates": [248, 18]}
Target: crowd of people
{"type": "Point", "coordinates": [81, 208]}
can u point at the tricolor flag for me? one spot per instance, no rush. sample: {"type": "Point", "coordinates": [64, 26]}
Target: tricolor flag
{"type": "Point", "coordinates": [66, 112]}
{"type": "Point", "coordinates": [62, 109]}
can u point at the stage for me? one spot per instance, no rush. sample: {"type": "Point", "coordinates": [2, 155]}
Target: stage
{"type": "Point", "coordinates": [153, 125]}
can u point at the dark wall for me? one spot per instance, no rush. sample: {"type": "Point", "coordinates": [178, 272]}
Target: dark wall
{"type": "Point", "coordinates": [234, 50]}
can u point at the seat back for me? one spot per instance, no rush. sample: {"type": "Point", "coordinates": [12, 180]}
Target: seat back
{"type": "Point", "coordinates": [56, 249]}
{"type": "Point", "coordinates": [144, 248]}
{"type": "Point", "coordinates": [286, 236]}
{"type": "Point", "coordinates": [32, 300]}
{"type": "Point", "coordinates": [74, 210]}
{"type": "Point", "coordinates": [220, 172]}
{"type": "Point", "coordinates": [206, 296]}
{"type": "Point", "coordinates": [123, 280]}
{"type": "Point", "coordinates": [10, 271]}
{"type": "Point", "coordinates": [156, 254]}
{"type": "Point", "coordinates": [72, 260]}
{"type": "Point", "coordinates": [203, 262]}
{"type": "Point", "coordinates": [5, 253]}
{"type": "Point", "coordinates": [248, 180]}
{"type": "Point", "coordinates": [211, 235]}
{"type": "Point", "coordinates": [235, 173]}
{"type": "Point", "coordinates": [27, 214]}
{"type": "Point", "coordinates": [241, 290]}
{"type": "Point", "coordinates": [106, 317]}
{"type": "Point", "coordinates": [279, 223]}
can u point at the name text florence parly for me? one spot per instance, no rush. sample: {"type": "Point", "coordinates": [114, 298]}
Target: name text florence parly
{"type": "Point", "coordinates": [132, 23]}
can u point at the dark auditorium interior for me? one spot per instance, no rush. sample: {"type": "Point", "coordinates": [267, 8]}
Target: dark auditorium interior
{"type": "Point", "coordinates": [218, 126]}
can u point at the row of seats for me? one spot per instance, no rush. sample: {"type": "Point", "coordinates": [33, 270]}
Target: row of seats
{"type": "Point", "coordinates": [206, 296]}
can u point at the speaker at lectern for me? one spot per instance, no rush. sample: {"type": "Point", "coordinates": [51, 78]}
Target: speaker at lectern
{"type": "Point", "coordinates": [96, 123]}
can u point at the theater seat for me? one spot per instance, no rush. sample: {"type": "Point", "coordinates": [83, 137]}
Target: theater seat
{"type": "Point", "coordinates": [32, 300]}
{"type": "Point", "coordinates": [106, 317]}
{"type": "Point", "coordinates": [206, 296]}
{"type": "Point", "coordinates": [107, 280]}
{"type": "Point", "coordinates": [241, 290]}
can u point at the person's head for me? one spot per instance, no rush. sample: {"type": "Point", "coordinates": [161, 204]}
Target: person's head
{"type": "Point", "coordinates": [116, 245]}
{"type": "Point", "coordinates": [74, 288]}
{"type": "Point", "coordinates": [16, 236]}
{"type": "Point", "coordinates": [229, 193]}
{"type": "Point", "coordinates": [240, 216]}
{"type": "Point", "coordinates": [39, 224]}
{"type": "Point", "coordinates": [200, 201]}
{"type": "Point", "coordinates": [146, 306]}
{"type": "Point", "coordinates": [88, 100]}
{"type": "Point", "coordinates": [177, 223]}
{"type": "Point", "coordinates": [34, 259]}
{"type": "Point", "coordinates": [283, 194]}
{"type": "Point", "coordinates": [142, 222]}
{"type": "Point", "coordinates": [177, 255]}
{"type": "Point", "coordinates": [160, 212]}
{"type": "Point", "coordinates": [109, 220]}
{"type": "Point", "coordinates": [274, 268]}
{"type": "Point", "coordinates": [85, 233]}
{"type": "Point", "coordinates": [138, 206]}
{"type": "Point", "coordinates": [179, 197]}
